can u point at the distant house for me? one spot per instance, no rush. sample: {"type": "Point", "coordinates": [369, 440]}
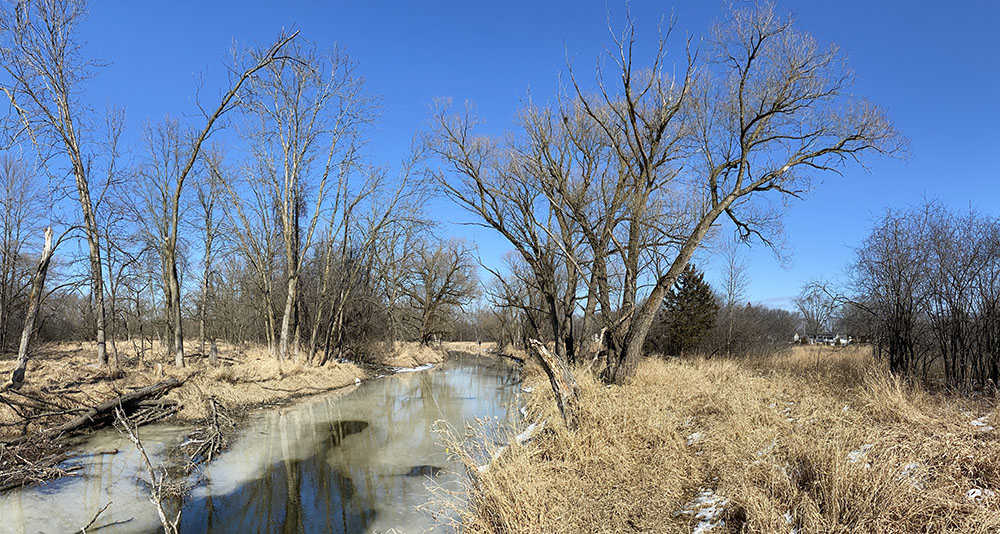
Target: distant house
{"type": "Point", "coordinates": [829, 339]}
{"type": "Point", "coordinates": [825, 339]}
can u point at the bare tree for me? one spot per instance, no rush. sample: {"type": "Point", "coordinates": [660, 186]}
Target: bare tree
{"type": "Point", "coordinates": [306, 117]}
{"type": "Point", "coordinates": [441, 281]}
{"type": "Point", "coordinates": [210, 190]}
{"type": "Point", "coordinates": [45, 68]}
{"type": "Point", "coordinates": [816, 306]}
{"type": "Point", "coordinates": [734, 286]}
{"type": "Point", "coordinates": [731, 137]}
{"type": "Point", "coordinates": [19, 208]}
{"type": "Point", "coordinates": [174, 155]}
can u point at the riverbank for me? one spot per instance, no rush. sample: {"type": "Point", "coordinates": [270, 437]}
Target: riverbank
{"type": "Point", "coordinates": [812, 440]}
{"type": "Point", "coordinates": [63, 380]}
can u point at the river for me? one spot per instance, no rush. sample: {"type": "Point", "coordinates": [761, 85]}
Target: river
{"type": "Point", "coordinates": [363, 459]}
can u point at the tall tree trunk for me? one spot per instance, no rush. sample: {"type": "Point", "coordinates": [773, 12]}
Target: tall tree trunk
{"type": "Point", "coordinates": [34, 301]}
{"type": "Point", "coordinates": [97, 287]}
{"type": "Point", "coordinates": [203, 316]}
{"type": "Point", "coordinates": [638, 325]}
{"type": "Point", "coordinates": [176, 318]}
{"type": "Point", "coordinates": [287, 317]}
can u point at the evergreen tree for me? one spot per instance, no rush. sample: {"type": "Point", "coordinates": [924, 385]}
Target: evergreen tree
{"type": "Point", "coordinates": [687, 314]}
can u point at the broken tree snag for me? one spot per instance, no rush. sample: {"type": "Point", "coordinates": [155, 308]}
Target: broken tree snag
{"type": "Point", "coordinates": [213, 355]}
{"type": "Point", "coordinates": [104, 413]}
{"type": "Point", "coordinates": [34, 300]}
{"type": "Point", "coordinates": [563, 384]}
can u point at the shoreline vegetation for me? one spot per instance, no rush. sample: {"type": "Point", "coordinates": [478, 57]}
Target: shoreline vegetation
{"type": "Point", "coordinates": [812, 439]}
{"type": "Point", "coordinates": [66, 381]}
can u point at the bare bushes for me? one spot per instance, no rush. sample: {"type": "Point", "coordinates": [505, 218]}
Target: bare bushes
{"type": "Point", "coordinates": [929, 282]}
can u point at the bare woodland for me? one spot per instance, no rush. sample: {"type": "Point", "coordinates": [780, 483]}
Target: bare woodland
{"type": "Point", "coordinates": [304, 244]}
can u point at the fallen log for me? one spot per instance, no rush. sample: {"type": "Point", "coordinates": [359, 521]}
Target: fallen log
{"type": "Point", "coordinates": [103, 414]}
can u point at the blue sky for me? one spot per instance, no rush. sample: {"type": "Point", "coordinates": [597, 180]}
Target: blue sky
{"type": "Point", "coordinates": [934, 68]}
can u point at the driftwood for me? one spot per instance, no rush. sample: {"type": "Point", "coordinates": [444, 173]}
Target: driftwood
{"type": "Point", "coordinates": [103, 414]}
{"type": "Point", "coordinates": [563, 384]}
{"type": "Point", "coordinates": [36, 457]}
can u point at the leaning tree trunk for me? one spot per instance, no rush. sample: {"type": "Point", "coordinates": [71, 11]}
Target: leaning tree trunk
{"type": "Point", "coordinates": [34, 300]}
{"type": "Point", "coordinates": [563, 383]}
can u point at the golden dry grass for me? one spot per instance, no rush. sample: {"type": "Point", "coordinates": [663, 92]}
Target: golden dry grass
{"type": "Point", "coordinates": [470, 347]}
{"type": "Point", "coordinates": [413, 354]}
{"type": "Point", "coordinates": [815, 440]}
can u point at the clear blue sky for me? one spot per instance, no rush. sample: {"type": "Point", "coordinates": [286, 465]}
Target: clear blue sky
{"type": "Point", "coordinates": [934, 66]}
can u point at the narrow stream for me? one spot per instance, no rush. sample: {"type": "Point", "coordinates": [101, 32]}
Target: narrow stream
{"type": "Point", "coordinates": [358, 460]}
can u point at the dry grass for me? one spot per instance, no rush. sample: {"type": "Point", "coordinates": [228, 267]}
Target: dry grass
{"type": "Point", "coordinates": [68, 375]}
{"type": "Point", "coordinates": [470, 347]}
{"type": "Point", "coordinates": [773, 438]}
{"type": "Point", "coordinates": [413, 354]}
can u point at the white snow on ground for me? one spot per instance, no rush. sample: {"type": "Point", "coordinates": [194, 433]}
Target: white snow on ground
{"type": "Point", "coordinates": [978, 495]}
{"type": "Point", "coordinates": [693, 438]}
{"type": "Point", "coordinates": [768, 449]}
{"type": "Point", "coordinates": [789, 519]}
{"type": "Point", "coordinates": [909, 473]}
{"type": "Point", "coordinates": [857, 455]}
{"type": "Point", "coordinates": [525, 436]}
{"type": "Point", "coordinates": [423, 367]}
{"type": "Point", "coordinates": [981, 424]}
{"type": "Point", "coordinates": [706, 507]}
{"type": "Point", "coordinates": [521, 438]}
{"type": "Point", "coordinates": [527, 389]}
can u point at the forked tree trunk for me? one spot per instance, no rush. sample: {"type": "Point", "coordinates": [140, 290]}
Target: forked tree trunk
{"type": "Point", "coordinates": [34, 301]}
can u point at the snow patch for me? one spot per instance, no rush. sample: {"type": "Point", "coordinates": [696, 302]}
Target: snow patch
{"type": "Point", "coordinates": [423, 367]}
{"type": "Point", "coordinates": [706, 507]}
{"type": "Point", "coordinates": [527, 389]}
{"type": "Point", "coordinates": [981, 424]}
{"type": "Point", "coordinates": [979, 495]}
{"type": "Point", "coordinates": [693, 438]}
{"type": "Point", "coordinates": [525, 436]}
{"type": "Point", "coordinates": [909, 472]}
{"type": "Point", "coordinates": [768, 449]}
{"type": "Point", "coordinates": [857, 455]}
{"type": "Point", "coordinates": [521, 438]}
{"type": "Point", "coordinates": [789, 519]}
